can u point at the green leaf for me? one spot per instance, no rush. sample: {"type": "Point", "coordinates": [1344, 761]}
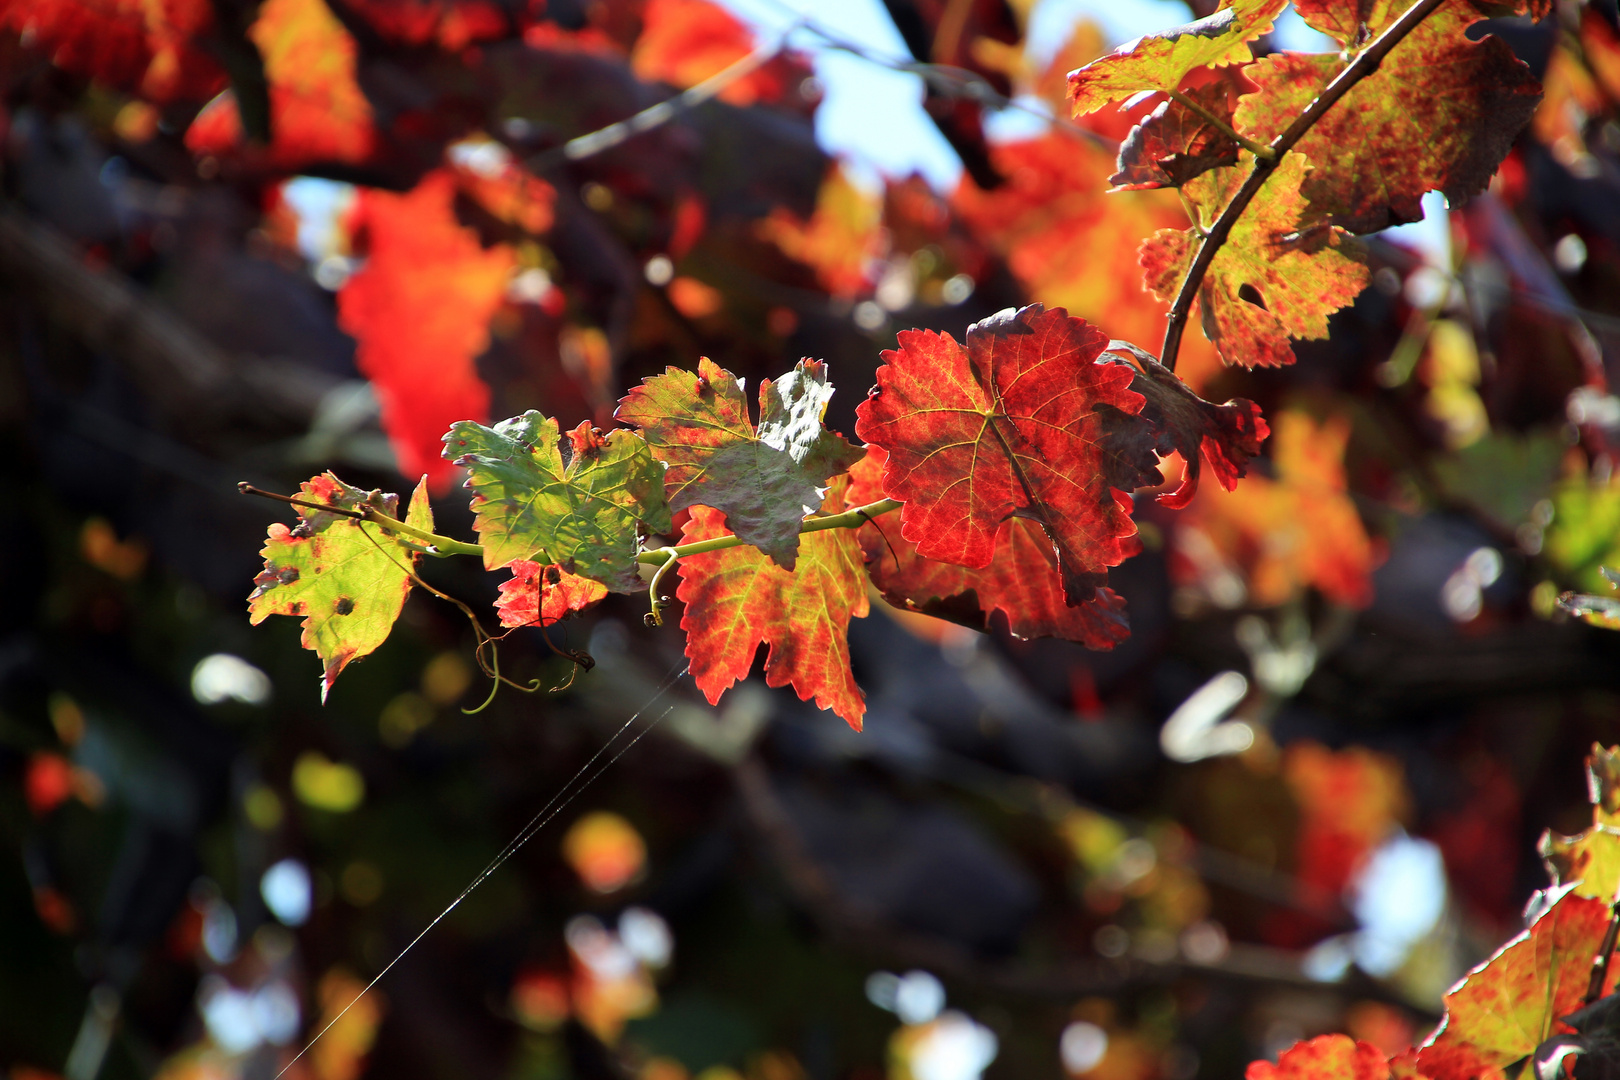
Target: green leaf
{"type": "Point", "coordinates": [586, 513]}
{"type": "Point", "coordinates": [347, 578]}
{"type": "Point", "coordinates": [764, 481]}
{"type": "Point", "coordinates": [1160, 61]}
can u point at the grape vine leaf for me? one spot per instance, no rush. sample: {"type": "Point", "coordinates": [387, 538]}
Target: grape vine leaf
{"type": "Point", "coordinates": [317, 110]}
{"type": "Point", "coordinates": [737, 599]}
{"type": "Point", "coordinates": [1505, 1007]}
{"type": "Point", "coordinates": [763, 480]}
{"type": "Point", "coordinates": [1020, 421]}
{"type": "Point", "coordinates": [126, 44]}
{"type": "Point", "coordinates": [1175, 143]}
{"type": "Point", "coordinates": [1591, 859]}
{"type": "Point", "coordinates": [1159, 61]}
{"type": "Point", "coordinates": [347, 578]}
{"type": "Point", "coordinates": [1022, 581]}
{"type": "Point", "coordinates": [585, 513]}
{"type": "Point", "coordinates": [1268, 282]}
{"type": "Point", "coordinates": [419, 309]}
{"type": "Point", "coordinates": [1441, 112]}
{"type": "Point", "coordinates": [1054, 214]}
{"type": "Point", "coordinates": [1326, 1057]}
{"type": "Point", "coordinates": [1226, 436]}
{"type": "Point", "coordinates": [544, 594]}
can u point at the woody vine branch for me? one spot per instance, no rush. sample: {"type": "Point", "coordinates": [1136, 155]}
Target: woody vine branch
{"type": "Point", "coordinates": [1365, 63]}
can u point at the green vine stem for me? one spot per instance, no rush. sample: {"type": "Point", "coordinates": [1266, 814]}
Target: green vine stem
{"type": "Point", "coordinates": [1365, 63]}
{"type": "Point", "coordinates": [671, 557]}
{"type": "Point", "coordinates": [444, 546]}
{"type": "Point", "coordinates": [849, 519]}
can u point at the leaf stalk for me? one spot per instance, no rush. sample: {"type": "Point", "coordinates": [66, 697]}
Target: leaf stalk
{"type": "Point", "coordinates": [1365, 63]}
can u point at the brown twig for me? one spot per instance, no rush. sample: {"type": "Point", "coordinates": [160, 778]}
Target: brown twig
{"type": "Point", "coordinates": [1362, 66]}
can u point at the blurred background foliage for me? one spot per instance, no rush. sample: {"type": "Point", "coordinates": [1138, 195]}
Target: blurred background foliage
{"type": "Point", "coordinates": [251, 241]}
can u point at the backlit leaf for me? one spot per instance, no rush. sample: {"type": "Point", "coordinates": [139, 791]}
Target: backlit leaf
{"type": "Point", "coordinates": [1279, 536]}
{"type": "Point", "coordinates": [1508, 1005]}
{"type": "Point", "coordinates": [1051, 219]}
{"type": "Point", "coordinates": [764, 481]}
{"type": "Point", "coordinates": [1159, 61]}
{"type": "Point", "coordinates": [1176, 143]}
{"type": "Point", "coordinates": [347, 578]}
{"type": "Point", "coordinates": [1326, 1057]}
{"type": "Point", "coordinates": [419, 310]}
{"type": "Point", "coordinates": [737, 599]}
{"type": "Point", "coordinates": [1267, 283]}
{"type": "Point", "coordinates": [544, 594]}
{"type": "Point", "coordinates": [1226, 436]}
{"type": "Point", "coordinates": [317, 110]}
{"type": "Point", "coordinates": [1591, 858]}
{"type": "Point", "coordinates": [1022, 581]}
{"type": "Point", "coordinates": [450, 24]}
{"type": "Point", "coordinates": [584, 513]}
{"type": "Point", "coordinates": [1018, 421]}
{"type": "Point", "coordinates": [1440, 113]}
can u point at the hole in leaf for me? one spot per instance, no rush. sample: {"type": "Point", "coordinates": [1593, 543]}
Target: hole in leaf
{"type": "Point", "coordinates": [344, 605]}
{"type": "Point", "coordinates": [1252, 295]}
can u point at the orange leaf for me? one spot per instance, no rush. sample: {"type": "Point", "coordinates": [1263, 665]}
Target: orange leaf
{"type": "Point", "coordinates": [1282, 535]}
{"type": "Point", "coordinates": [1326, 1057]}
{"type": "Point", "coordinates": [684, 42]}
{"type": "Point", "coordinates": [843, 236]}
{"type": "Point", "coordinates": [543, 595]}
{"type": "Point", "coordinates": [737, 599]}
{"type": "Point", "coordinates": [420, 311]}
{"type": "Point", "coordinates": [317, 111]}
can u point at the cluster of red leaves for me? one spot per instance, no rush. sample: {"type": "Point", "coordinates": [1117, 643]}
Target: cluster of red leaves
{"type": "Point", "coordinates": [420, 311]}
{"type": "Point", "coordinates": [1507, 1008]}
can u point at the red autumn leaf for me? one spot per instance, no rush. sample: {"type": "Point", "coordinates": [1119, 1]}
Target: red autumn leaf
{"type": "Point", "coordinates": [1273, 279]}
{"type": "Point", "coordinates": [128, 44]}
{"type": "Point", "coordinates": [1441, 112]}
{"type": "Point", "coordinates": [684, 42]}
{"type": "Point", "coordinates": [1511, 1003]}
{"type": "Point", "coordinates": [763, 480]}
{"type": "Point", "coordinates": [737, 599]}
{"type": "Point", "coordinates": [1226, 436]}
{"type": "Point", "coordinates": [420, 311]}
{"type": "Point", "coordinates": [1021, 582]}
{"type": "Point", "coordinates": [1326, 1057]}
{"type": "Point", "coordinates": [1052, 217]}
{"type": "Point", "coordinates": [317, 111]}
{"type": "Point", "coordinates": [544, 594]}
{"type": "Point", "coordinates": [1022, 420]}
